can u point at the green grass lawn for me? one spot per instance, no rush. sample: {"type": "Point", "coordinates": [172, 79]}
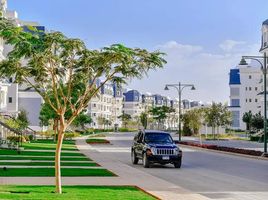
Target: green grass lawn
{"type": "Point", "coordinates": [43, 158]}
{"type": "Point", "coordinates": [31, 160]}
{"type": "Point", "coordinates": [50, 145]}
{"type": "Point", "coordinates": [49, 141]}
{"type": "Point", "coordinates": [35, 153]}
{"type": "Point", "coordinates": [47, 164]}
{"type": "Point", "coordinates": [50, 172]}
{"type": "Point", "coordinates": [73, 193]}
{"type": "Point", "coordinates": [97, 141]}
{"type": "Point", "coordinates": [41, 146]}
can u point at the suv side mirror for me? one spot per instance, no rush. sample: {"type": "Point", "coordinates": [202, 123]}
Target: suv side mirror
{"type": "Point", "coordinates": [176, 141]}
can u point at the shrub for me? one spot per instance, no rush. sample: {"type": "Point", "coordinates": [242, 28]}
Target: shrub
{"type": "Point", "coordinates": [17, 139]}
{"type": "Point", "coordinates": [71, 135]}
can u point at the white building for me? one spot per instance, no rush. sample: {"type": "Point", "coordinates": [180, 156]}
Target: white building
{"type": "Point", "coordinates": [107, 105]}
{"type": "Point", "coordinates": [246, 86]}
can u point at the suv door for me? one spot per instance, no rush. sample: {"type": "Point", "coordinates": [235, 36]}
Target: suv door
{"type": "Point", "coordinates": [139, 146]}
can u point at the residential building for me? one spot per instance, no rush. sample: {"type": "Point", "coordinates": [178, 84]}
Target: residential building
{"type": "Point", "coordinates": [246, 86]}
{"type": "Point", "coordinates": [244, 82]}
{"type": "Point", "coordinates": [106, 106]}
{"type": "Point", "coordinates": [132, 103]}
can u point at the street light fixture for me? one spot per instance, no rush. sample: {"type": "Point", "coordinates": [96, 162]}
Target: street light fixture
{"type": "Point", "coordinates": [179, 87]}
{"type": "Point", "coordinates": [264, 71]}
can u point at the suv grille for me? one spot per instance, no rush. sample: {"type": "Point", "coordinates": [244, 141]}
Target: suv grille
{"type": "Point", "coordinates": [165, 151]}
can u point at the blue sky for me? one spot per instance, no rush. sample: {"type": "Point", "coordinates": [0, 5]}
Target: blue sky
{"type": "Point", "coordinates": [203, 39]}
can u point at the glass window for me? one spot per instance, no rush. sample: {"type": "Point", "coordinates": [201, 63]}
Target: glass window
{"type": "Point", "coordinates": [234, 92]}
{"type": "Point", "coordinates": [249, 88]}
{"type": "Point", "coordinates": [249, 100]}
{"type": "Point", "coordinates": [249, 76]}
{"type": "Point", "coordinates": [235, 102]}
{"type": "Point", "coordinates": [9, 99]}
{"type": "Point", "coordinates": [158, 138]}
{"type": "Point", "coordinates": [235, 119]}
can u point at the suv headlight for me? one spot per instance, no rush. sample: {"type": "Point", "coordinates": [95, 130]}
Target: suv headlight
{"type": "Point", "coordinates": [177, 151]}
{"type": "Point", "coordinates": [153, 149]}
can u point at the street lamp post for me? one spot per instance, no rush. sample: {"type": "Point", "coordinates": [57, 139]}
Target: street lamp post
{"type": "Point", "coordinates": [179, 87]}
{"type": "Point", "coordinates": [264, 70]}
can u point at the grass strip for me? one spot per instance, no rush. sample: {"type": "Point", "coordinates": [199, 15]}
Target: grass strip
{"type": "Point", "coordinates": [47, 164]}
{"type": "Point", "coordinates": [35, 153]}
{"type": "Point", "coordinates": [48, 141]}
{"type": "Point", "coordinates": [50, 172]}
{"type": "Point", "coordinates": [41, 146]}
{"type": "Point", "coordinates": [73, 193]}
{"type": "Point", "coordinates": [44, 158]}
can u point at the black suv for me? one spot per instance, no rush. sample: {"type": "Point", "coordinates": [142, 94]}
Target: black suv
{"type": "Point", "coordinates": [155, 147]}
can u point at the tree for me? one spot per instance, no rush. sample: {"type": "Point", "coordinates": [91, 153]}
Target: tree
{"type": "Point", "coordinates": [144, 119]}
{"type": "Point", "coordinates": [217, 115]}
{"type": "Point", "coordinates": [160, 113]}
{"type": "Point", "coordinates": [193, 120]}
{"type": "Point", "coordinates": [81, 120]}
{"type": "Point", "coordinates": [125, 119]}
{"type": "Point", "coordinates": [23, 120]}
{"type": "Point", "coordinates": [53, 65]}
{"type": "Point", "coordinates": [257, 121]}
{"type": "Point", "coordinates": [247, 118]}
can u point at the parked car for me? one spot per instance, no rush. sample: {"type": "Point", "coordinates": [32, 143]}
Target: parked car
{"type": "Point", "coordinates": [152, 146]}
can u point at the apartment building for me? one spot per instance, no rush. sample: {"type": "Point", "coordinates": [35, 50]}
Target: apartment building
{"type": "Point", "coordinates": [246, 86]}
{"type": "Point", "coordinates": [106, 106]}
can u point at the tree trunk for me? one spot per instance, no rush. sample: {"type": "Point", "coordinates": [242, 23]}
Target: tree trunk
{"type": "Point", "coordinates": [61, 131]}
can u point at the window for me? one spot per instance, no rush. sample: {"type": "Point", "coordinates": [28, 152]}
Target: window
{"type": "Point", "coordinates": [256, 88]}
{"type": "Point", "coordinates": [249, 88]}
{"type": "Point", "coordinates": [235, 102]}
{"type": "Point", "coordinates": [234, 92]}
{"type": "Point", "coordinates": [9, 99]}
{"type": "Point", "coordinates": [246, 100]}
{"type": "Point", "coordinates": [249, 100]}
{"type": "Point", "coordinates": [235, 119]}
{"type": "Point", "coordinates": [256, 100]}
{"type": "Point", "coordinates": [246, 88]}
{"type": "Point", "coordinates": [94, 105]}
{"type": "Point", "coordinates": [249, 76]}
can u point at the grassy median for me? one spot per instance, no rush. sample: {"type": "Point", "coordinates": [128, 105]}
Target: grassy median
{"type": "Point", "coordinates": [73, 193]}
{"type": "Point", "coordinates": [50, 172]}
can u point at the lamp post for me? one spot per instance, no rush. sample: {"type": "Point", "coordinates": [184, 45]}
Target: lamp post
{"type": "Point", "coordinates": [264, 71]}
{"type": "Point", "coordinates": [179, 87]}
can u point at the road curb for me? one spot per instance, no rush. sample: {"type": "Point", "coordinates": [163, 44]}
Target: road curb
{"type": "Point", "coordinates": [225, 152]}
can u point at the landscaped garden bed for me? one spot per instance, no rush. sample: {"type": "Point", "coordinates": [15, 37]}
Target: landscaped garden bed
{"type": "Point", "coordinates": [73, 193]}
{"type": "Point", "coordinates": [97, 141]}
{"type": "Point", "coordinates": [222, 148]}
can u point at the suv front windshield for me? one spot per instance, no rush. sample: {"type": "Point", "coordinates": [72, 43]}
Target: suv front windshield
{"type": "Point", "coordinates": [158, 138]}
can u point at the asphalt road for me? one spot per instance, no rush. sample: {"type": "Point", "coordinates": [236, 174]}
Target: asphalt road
{"type": "Point", "coordinates": [214, 175]}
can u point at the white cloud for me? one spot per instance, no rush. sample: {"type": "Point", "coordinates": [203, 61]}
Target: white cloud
{"type": "Point", "coordinates": [193, 64]}
{"type": "Point", "coordinates": [229, 45]}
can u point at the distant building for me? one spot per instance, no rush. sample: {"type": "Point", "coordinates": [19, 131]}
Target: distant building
{"type": "Point", "coordinates": [106, 105]}
{"type": "Point", "coordinates": [132, 103]}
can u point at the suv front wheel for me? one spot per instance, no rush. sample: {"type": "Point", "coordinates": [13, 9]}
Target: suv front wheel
{"type": "Point", "coordinates": [177, 164]}
{"type": "Point", "coordinates": [146, 163]}
{"type": "Point", "coordinates": [134, 158]}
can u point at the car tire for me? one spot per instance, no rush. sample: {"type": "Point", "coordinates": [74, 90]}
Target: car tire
{"type": "Point", "coordinates": [134, 158]}
{"type": "Point", "coordinates": [177, 164]}
{"type": "Point", "coordinates": [146, 163]}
